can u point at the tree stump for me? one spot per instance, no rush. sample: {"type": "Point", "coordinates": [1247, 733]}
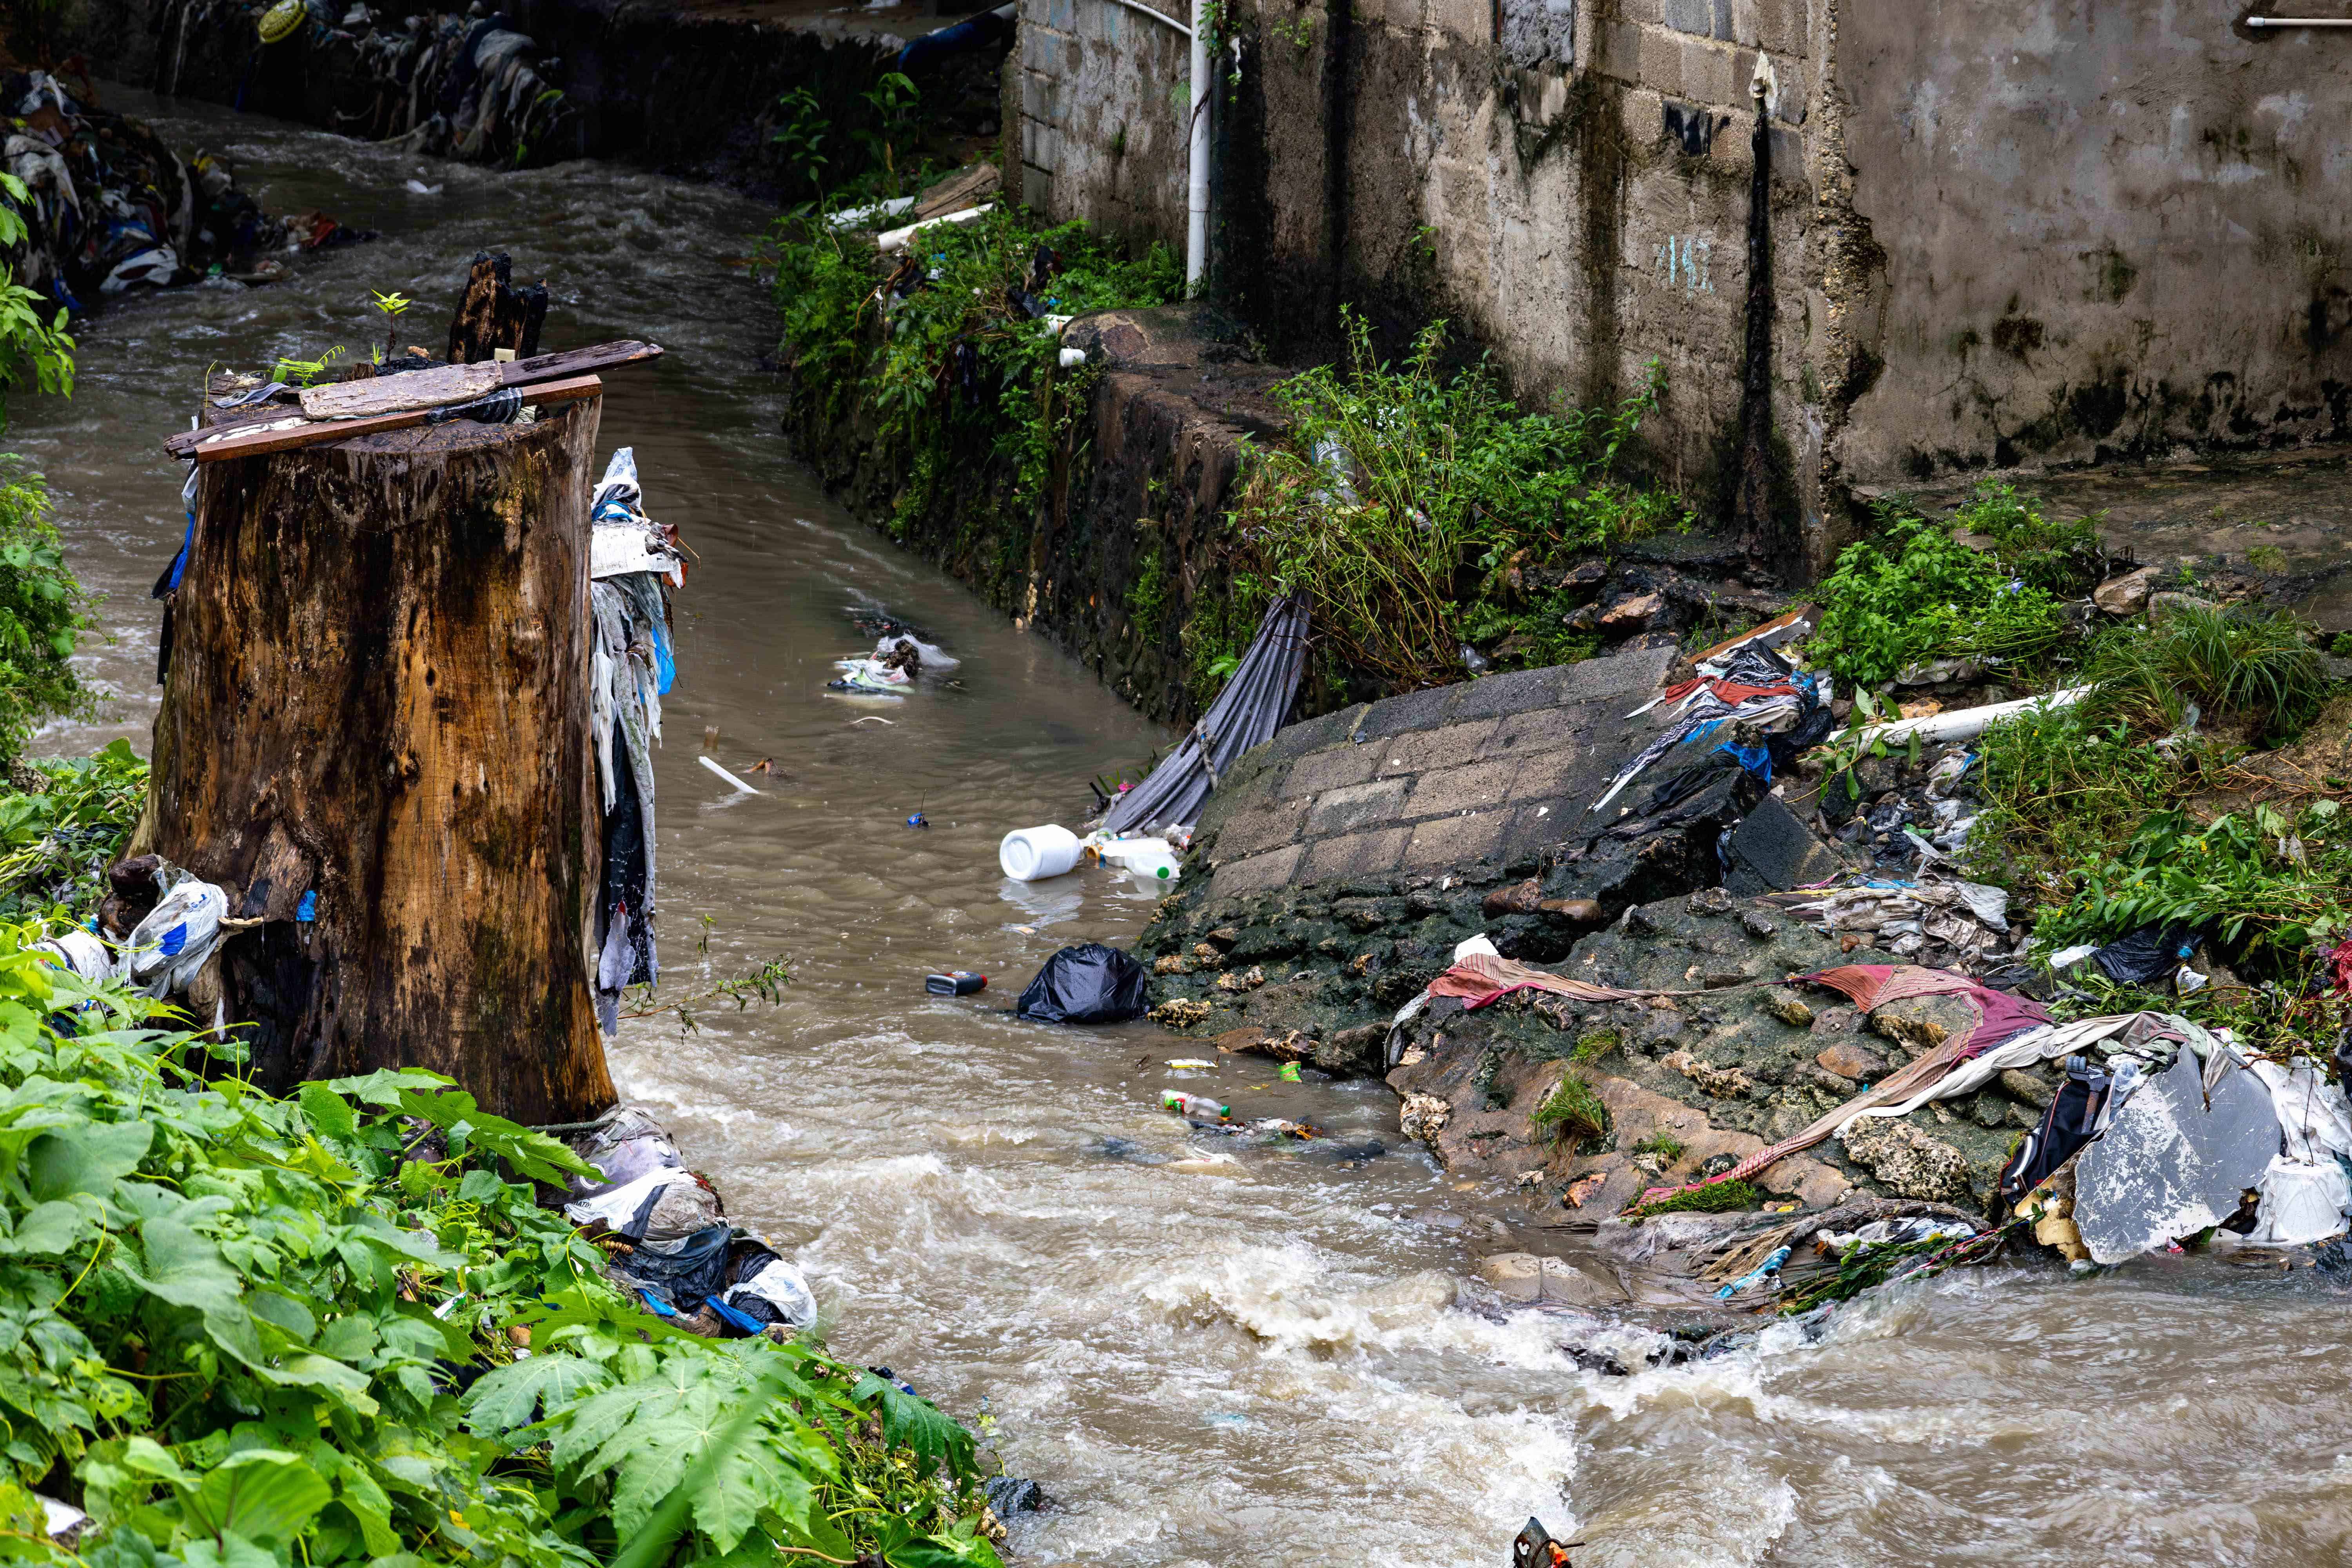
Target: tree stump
{"type": "Point", "coordinates": [378, 693]}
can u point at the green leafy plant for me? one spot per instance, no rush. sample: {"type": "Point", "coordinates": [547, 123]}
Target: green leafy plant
{"type": "Point", "coordinates": [959, 386]}
{"type": "Point", "coordinates": [390, 306]}
{"type": "Point", "coordinates": [248, 1330]}
{"type": "Point", "coordinates": [1402, 492]}
{"type": "Point", "coordinates": [1912, 594]}
{"type": "Point", "coordinates": [2268, 885]}
{"type": "Point", "coordinates": [34, 343]}
{"type": "Point", "coordinates": [57, 838]}
{"type": "Point", "coordinates": [43, 612]}
{"type": "Point", "coordinates": [307, 371]}
{"type": "Point", "coordinates": [1665, 1146]}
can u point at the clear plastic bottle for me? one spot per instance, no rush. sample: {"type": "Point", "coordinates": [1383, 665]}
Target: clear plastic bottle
{"type": "Point", "coordinates": [1194, 1105]}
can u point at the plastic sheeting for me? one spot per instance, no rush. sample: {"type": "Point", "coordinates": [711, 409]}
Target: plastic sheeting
{"type": "Point", "coordinates": [627, 1145]}
{"type": "Point", "coordinates": [2168, 1165]}
{"type": "Point", "coordinates": [1246, 713]}
{"type": "Point", "coordinates": [172, 943]}
{"type": "Point", "coordinates": [631, 668]}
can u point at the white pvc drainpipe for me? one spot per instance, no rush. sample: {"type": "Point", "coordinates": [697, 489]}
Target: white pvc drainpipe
{"type": "Point", "coordinates": [2299, 21]}
{"type": "Point", "coordinates": [1196, 226]}
{"type": "Point", "coordinates": [1155, 15]}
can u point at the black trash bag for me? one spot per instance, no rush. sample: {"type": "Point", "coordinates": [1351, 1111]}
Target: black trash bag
{"type": "Point", "coordinates": [1808, 732]}
{"type": "Point", "coordinates": [2147, 956]}
{"type": "Point", "coordinates": [1089, 984]}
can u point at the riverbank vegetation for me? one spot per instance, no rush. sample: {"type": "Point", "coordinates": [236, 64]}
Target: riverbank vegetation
{"type": "Point", "coordinates": [950, 366]}
{"type": "Point", "coordinates": [1421, 510]}
{"type": "Point", "coordinates": [340, 1328]}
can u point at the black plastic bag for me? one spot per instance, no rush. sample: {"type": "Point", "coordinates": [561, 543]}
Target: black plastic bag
{"type": "Point", "coordinates": [2148, 954]}
{"type": "Point", "coordinates": [1089, 984]}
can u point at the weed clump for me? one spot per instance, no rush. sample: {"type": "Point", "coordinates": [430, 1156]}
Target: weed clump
{"type": "Point", "coordinates": [1914, 593]}
{"type": "Point", "coordinates": [1572, 1111]}
{"type": "Point", "coordinates": [1665, 1146]}
{"type": "Point", "coordinates": [2255, 669]}
{"type": "Point", "coordinates": [1404, 498]}
{"type": "Point", "coordinates": [1713, 1197]}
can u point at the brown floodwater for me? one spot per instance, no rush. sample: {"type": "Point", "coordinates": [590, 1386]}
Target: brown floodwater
{"type": "Point", "coordinates": [1209, 1353]}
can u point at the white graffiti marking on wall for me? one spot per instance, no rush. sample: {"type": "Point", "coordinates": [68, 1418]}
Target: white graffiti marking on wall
{"type": "Point", "coordinates": [1687, 260]}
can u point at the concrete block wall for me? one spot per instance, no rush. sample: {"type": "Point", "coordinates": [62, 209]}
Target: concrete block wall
{"type": "Point", "coordinates": [2003, 232]}
{"type": "Point", "coordinates": [1103, 94]}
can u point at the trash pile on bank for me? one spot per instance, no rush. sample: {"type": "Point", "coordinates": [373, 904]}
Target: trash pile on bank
{"type": "Point", "coordinates": [1837, 1012]}
{"type": "Point", "coordinates": [111, 207]}
{"type": "Point", "coordinates": [453, 84]}
{"type": "Point", "coordinates": [667, 1240]}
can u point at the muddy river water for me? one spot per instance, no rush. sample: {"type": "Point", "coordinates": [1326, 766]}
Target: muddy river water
{"type": "Point", "coordinates": [1212, 1356]}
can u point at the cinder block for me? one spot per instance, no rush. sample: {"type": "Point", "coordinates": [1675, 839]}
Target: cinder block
{"type": "Point", "coordinates": [1357, 805]}
{"type": "Point", "coordinates": [1256, 874]}
{"type": "Point", "coordinates": [1708, 73]}
{"type": "Point", "coordinates": [1455, 790]}
{"type": "Point", "coordinates": [1659, 62]}
{"type": "Point", "coordinates": [1263, 826]}
{"type": "Point", "coordinates": [1357, 855]}
{"type": "Point", "coordinates": [1556, 773]}
{"type": "Point", "coordinates": [1449, 747]}
{"type": "Point", "coordinates": [1544, 730]}
{"type": "Point", "coordinates": [1453, 840]}
{"type": "Point", "coordinates": [1783, 27]}
{"type": "Point", "coordinates": [1689, 16]}
{"type": "Point", "coordinates": [1334, 769]}
{"type": "Point", "coordinates": [1415, 710]}
{"type": "Point", "coordinates": [1496, 696]}
{"type": "Point", "coordinates": [1636, 675]}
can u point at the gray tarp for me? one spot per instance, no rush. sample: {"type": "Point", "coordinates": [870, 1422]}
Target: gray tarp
{"type": "Point", "coordinates": [1246, 713]}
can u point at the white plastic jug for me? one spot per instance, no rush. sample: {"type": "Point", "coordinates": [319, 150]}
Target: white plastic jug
{"type": "Point", "coordinates": [1032, 853]}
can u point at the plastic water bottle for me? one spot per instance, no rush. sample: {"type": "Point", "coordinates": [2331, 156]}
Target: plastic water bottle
{"type": "Point", "coordinates": [1194, 1105]}
{"type": "Point", "coordinates": [1154, 867]}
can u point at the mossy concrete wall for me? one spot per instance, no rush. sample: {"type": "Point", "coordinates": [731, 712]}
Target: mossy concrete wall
{"type": "Point", "coordinates": [1122, 560]}
{"type": "Point", "coordinates": [1996, 232]}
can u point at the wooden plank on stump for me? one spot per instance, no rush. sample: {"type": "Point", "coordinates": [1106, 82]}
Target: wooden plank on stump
{"type": "Point", "coordinates": [286, 435]}
{"type": "Point", "coordinates": [411, 389]}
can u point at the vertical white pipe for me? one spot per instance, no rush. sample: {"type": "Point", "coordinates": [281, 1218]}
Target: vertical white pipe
{"type": "Point", "coordinates": [1196, 229]}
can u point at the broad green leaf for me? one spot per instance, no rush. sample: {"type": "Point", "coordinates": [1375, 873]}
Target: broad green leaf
{"type": "Point", "coordinates": [917, 1424]}
{"type": "Point", "coordinates": [232, 1551]}
{"type": "Point", "coordinates": [262, 1494]}
{"type": "Point", "coordinates": [510, 1397]}
{"type": "Point", "coordinates": [46, 1230]}
{"type": "Point", "coordinates": [330, 1112]}
{"type": "Point", "coordinates": [88, 1160]}
{"type": "Point", "coordinates": [182, 1267]}
{"type": "Point", "coordinates": [383, 1087]}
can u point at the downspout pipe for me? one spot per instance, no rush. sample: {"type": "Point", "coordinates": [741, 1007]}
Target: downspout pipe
{"type": "Point", "coordinates": [1196, 225]}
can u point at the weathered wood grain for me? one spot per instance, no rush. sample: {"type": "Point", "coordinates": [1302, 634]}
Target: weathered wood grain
{"type": "Point", "coordinates": [379, 693]}
{"type": "Point", "coordinates": [390, 393]}
{"type": "Point", "coordinates": [220, 445]}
